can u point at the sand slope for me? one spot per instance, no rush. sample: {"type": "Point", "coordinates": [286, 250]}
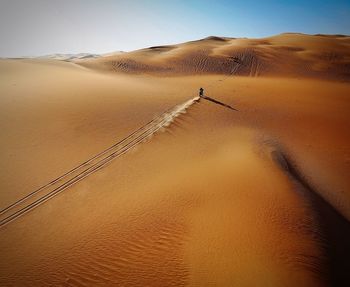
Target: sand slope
{"type": "Point", "coordinates": [257, 196]}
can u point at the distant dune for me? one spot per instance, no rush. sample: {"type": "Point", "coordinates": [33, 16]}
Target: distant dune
{"type": "Point", "coordinates": [292, 55]}
{"type": "Point", "coordinates": [69, 57]}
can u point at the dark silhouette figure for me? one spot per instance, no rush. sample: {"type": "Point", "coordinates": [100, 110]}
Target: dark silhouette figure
{"type": "Point", "coordinates": [201, 92]}
{"type": "Point", "coordinates": [236, 60]}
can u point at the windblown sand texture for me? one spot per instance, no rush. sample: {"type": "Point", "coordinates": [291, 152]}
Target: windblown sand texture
{"type": "Point", "coordinates": [157, 187]}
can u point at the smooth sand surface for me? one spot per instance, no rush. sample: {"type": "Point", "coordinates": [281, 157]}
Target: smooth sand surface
{"type": "Point", "coordinates": [254, 197]}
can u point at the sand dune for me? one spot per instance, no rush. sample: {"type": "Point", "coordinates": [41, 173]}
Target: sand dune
{"type": "Point", "coordinates": [69, 57]}
{"type": "Point", "coordinates": [292, 55]}
{"type": "Point", "coordinates": [211, 197]}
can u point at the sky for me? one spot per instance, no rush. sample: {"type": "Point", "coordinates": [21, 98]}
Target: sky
{"type": "Point", "coordinates": [40, 27]}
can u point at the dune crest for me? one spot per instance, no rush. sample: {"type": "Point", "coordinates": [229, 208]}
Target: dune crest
{"type": "Point", "coordinates": [288, 54]}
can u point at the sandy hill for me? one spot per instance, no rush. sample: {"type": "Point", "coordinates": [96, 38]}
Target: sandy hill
{"type": "Point", "coordinates": [212, 197]}
{"type": "Point", "coordinates": [297, 55]}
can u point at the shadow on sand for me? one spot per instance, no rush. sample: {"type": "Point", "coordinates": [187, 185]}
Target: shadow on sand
{"type": "Point", "coordinates": [217, 102]}
{"type": "Point", "coordinates": [335, 227]}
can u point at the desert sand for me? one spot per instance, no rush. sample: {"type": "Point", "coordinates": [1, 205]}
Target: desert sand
{"type": "Point", "coordinates": [201, 196]}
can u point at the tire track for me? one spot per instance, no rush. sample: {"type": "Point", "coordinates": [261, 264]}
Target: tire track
{"type": "Point", "coordinates": [70, 171]}
{"type": "Point", "coordinates": [100, 160]}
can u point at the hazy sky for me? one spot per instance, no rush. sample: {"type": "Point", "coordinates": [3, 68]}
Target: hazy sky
{"type": "Point", "coordinates": [38, 27]}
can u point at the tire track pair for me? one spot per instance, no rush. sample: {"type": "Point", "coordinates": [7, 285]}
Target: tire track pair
{"type": "Point", "coordinates": [78, 173]}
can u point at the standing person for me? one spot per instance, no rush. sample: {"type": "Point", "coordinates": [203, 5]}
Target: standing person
{"type": "Point", "coordinates": [201, 92]}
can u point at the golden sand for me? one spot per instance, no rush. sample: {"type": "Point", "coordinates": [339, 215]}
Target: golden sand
{"type": "Point", "coordinates": [216, 198]}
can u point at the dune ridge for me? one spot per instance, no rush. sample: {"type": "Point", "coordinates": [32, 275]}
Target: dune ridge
{"type": "Point", "coordinates": [334, 228]}
{"type": "Point", "coordinates": [289, 54]}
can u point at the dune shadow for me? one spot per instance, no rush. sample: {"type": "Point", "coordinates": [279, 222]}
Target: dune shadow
{"type": "Point", "coordinates": [334, 226]}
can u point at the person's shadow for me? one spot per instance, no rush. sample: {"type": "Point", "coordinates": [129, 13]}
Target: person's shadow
{"type": "Point", "coordinates": [215, 101]}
